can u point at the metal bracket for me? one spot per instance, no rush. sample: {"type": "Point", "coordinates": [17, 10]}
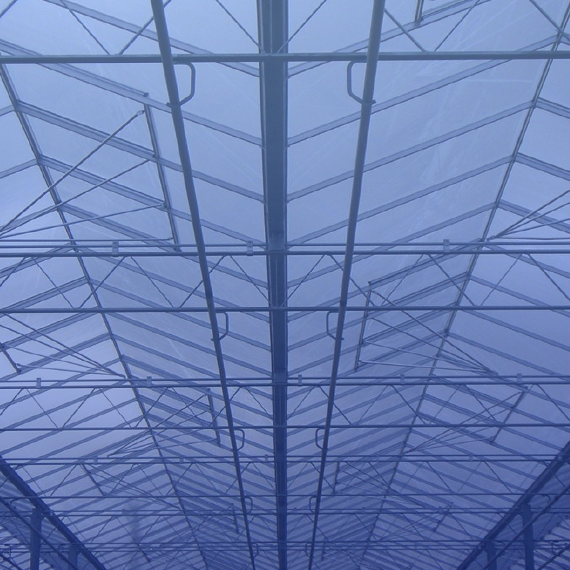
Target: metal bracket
{"type": "Point", "coordinates": [242, 437]}
{"type": "Point", "coordinates": [328, 330]}
{"type": "Point", "coordinates": [349, 89]}
{"type": "Point", "coordinates": [317, 438]}
{"type": "Point", "coordinates": [192, 84]}
{"type": "Point", "coordinates": [227, 327]}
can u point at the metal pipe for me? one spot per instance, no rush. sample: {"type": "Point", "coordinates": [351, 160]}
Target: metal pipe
{"type": "Point", "coordinates": [375, 426]}
{"type": "Point", "coordinates": [281, 253]}
{"type": "Point", "coordinates": [294, 309]}
{"type": "Point", "coordinates": [273, 33]}
{"type": "Point", "coordinates": [247, 460]}
{"type": "Point", "coordinates": [178, 122]}
{"type": "Point", "coordinates": [358, 57]}
{"type": "Point", "coordinates": [359, 162]}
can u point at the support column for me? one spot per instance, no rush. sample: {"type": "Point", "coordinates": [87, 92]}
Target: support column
{"type": "Point", "coordinates": [491, 556]}
{"type": "Point", "coordinates": [528, 537]}
{"type": "Point", "coordinates": [35, 539]}
{"type": "Point", "coordinates": [72, 557]}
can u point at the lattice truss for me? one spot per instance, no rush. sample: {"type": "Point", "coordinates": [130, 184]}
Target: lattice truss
{"type": "Point", "coordinates": [330, 365]}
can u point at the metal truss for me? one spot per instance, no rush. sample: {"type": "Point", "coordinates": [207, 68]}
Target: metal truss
{"type": "Point", "coordinates": [347, 352]}
{"type": "Point", "coordinates": [27, 517]}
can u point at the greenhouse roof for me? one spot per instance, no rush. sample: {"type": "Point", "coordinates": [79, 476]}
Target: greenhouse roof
{"type": "Point", "coordinates": [284, 285]}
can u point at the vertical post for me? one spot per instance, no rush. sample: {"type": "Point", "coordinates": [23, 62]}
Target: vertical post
{"type": "Point", "coordinates": [35, 539]}
{"type": "Point", "coordinates": [528, 537]}
{"type": "Point", "coordinates": [491, 556]}
{"type": "Point", "coordinates": [72, 557]}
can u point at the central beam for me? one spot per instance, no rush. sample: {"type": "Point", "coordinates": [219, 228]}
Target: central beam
{"type": "Point", "coordinates": [315, 57]}
{"type": "Point", "coordinates": [273, 30]}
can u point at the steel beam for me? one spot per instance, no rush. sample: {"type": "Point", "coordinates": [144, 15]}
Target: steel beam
{"type": "Point", "coordinates": [122, 90]}
{"type": "Point", "coordinates": [367, 101]}
{"type": "Point", "coordinates": [292, 309]}
{"type": "Point", "coordinates": [357, 57]}
{"type": "Point", "coordinates": [263, 460]}
{"type": "Point", "coordinates": [313, 427]}
{"type": "Point", "coordinates": [145, 31]}
{"type": "Point", "coordinates": [176, 251]}
{"type": "Point", "coordinates": [166, 58]}
{"type": "Point", "coordinates": [273, 33]}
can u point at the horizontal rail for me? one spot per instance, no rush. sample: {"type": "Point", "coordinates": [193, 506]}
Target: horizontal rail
{"type": "Point", "coordinates": [479, 250]}
{"type": "Point", "coordinates": [292, 309]}
{"type": "Point", "coordinates": [316, 57]}
{"type": "Point", "coordinates": [185, 428]}
{"type": "Point", "coordinates": [368, 459]}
